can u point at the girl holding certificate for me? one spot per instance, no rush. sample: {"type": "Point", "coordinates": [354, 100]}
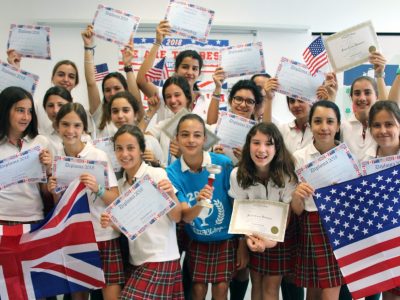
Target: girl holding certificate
{"type": "Point", "coordinates": [154, 255]}
{"type": "Point", "coordinates": [213, 254]}
{"type": "Point", "coordinates": [112, 83]}
{"type": "Point", "coordinates": [188, 64]}
{"type": "Point", "coordinates": [124, 110]}
{"type": "Point", "coordinates": [22, 202]}
{"type": "Point", "coordinates": [71, 121]}
{"type": "Point", "coordinates": [384, 121]}
{"type": "Point", "coordinates": [316, 267]}
{"type": "Point", "coordinates": [266, 171]}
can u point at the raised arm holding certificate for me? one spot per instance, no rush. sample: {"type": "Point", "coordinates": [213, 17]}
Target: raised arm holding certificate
{"type": "Point", "coordinates": [262, 217]}
{"type": "Point", "coordinates": [106, 144]}
{"type": "Point", "coordinates": [66, 169]}
{"type": "Point", "coordinates": [139, 207]}
{"type": "Point", "coordinates": [30, 41]}
{"type": "Point", "coordinates": [296, 81]}
{"type": "Point", "coordinates": [232, 129]}
{"type": "Point", "coordinates": [22, 167]}
{"type": "Point", "coordinates": [11, 76]}
{"type": "Point", "coordinates": [189, 20]}
{"type": "Point", "coordinates": [378, 164]}
{"type": "Point", "coordinates": [242, 60]}
{"type": "Point", "coordinates": [351, 47]}
{"type": "Point", "coordinates": [114, 25]}
{"type": "Point", "coordinates": [334, 166]}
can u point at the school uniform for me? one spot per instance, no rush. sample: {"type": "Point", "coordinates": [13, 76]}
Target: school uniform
{"type": "Point", "coordinates": [295, 138]}
{"type": "Point", "coordinates": [356, 138]}
{"type": "Point", "coordinates": [277, 260]}
{"type": "Point", "coordinates": [107, 238]}
{"type": "Point", "coordinates": [95, 118]}
{"type": "Point", "coordinates": [22, 202]}
{"type": "Point", "coordinates": [164, 141]}
{"type": "Point", "coordinates": [154, 255]}
{"type": "Point", "coordinates": [212, 250]}
{"type": "Point", "coordinates": [316, 265]}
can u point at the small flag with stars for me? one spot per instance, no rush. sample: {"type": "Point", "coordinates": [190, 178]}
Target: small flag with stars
{"type": "Point", "coordinates": [100, 71]}
{"type": "Point", "coordinates": [158, 72]}
{"type": "Point", "coordinates": [315, 56]}
{"type": "Point", "coordinates": [362, 220]}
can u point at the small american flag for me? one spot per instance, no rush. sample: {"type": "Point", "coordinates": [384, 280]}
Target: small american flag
{"type": "Point", "coordinates": [362, 220]}
{"type": "Point", "coordinates": [315, 56]}
{"type": "Point", "coordinates": [100, 71]}
{"type": "Point", "coordinates": [158, 72]}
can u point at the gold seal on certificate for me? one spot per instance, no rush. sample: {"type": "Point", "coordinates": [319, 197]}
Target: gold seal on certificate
{"type": "Point", "coordinates": [260, 217]}
{"type": "Point", "coordinates": [372, 49]}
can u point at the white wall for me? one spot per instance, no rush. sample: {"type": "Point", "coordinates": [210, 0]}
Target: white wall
{"type": "Point", "coordinates": [292, 15]}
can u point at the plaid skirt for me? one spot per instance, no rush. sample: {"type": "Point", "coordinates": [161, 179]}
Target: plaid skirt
{"type": "Point", "coordinates": [156, 280]}
{"type": "Point", "coordinates": [212, 262]}
{"type": "Point", "coordinates": [316, 265]}
{"type": "Point", "coordinates": [278, 260]}
{"type": "Point", "coordinates": [111, 257]}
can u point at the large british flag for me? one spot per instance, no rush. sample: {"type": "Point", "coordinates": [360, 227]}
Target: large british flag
{"type": "Point", "coordinates": [58, 255]}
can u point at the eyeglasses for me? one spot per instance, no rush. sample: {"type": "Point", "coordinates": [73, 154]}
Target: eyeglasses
{"type": "Point", "coordinates": [239, 100]}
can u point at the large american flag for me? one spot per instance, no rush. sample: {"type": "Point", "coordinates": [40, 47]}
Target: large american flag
{"type": "Point", "coordinates": [315, 56]}
{"type": "Point", "coordinates": [362, 220]}
{"type": "Point", "coordinates": [56, 256]}
{"type": "Point", "coordinates": [158, 72]}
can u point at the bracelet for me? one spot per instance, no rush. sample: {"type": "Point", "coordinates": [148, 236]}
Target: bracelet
{"type": "Point", "coordinates": [379, 75]}
{"type": "Point", "coordinates": [89, 49]}
{"type": "Point", "coordinates": [101, 191]}
{"type": "Point", "coordinates": [216, 96]}
{"type": "Point", "coordinates": [128, 69]}
{"type": "Point", "coordinates": [398, 71]}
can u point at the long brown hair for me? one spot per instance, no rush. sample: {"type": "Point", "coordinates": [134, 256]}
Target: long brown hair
{"type": "Point", "coordinates": [281, 165]}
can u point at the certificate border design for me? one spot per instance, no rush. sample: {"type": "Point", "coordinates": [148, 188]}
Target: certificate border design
{"type": "Point", "coordinates": [106, 139]}
{"type": "Point", "coordinates": [45, 28]}
{"type": "Point", "coordinates": [287, 60]}
{"type": "Point", "coordinates": [81, 161]}
{"type": "Point", "coordinates": [25, 180]}
{"type": "Point", "coordinates": [233, 116]}
{"type": "Point", "coordinates": [379, 160]}
{"type": "Point", "coordinates": [121, 198]}
{"type": "Point", "coordinates": [25, 73]}
{"type": "Point", "coordinates": [118, 11]}
{"type": "Point", "coordinates": [279, 238]}
{"type": "Point", "coordinates": [184, 34]}
{"type": "Point", "coordinates": [256, 44]}
{"type": "Point", "coordinates": [338, 34]}
{"type": "Point", "coordinates": [324, 156]}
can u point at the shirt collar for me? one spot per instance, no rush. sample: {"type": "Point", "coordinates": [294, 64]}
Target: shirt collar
{"type": "Point", "coordinates": [139, 173]}
{"type": "Point", "coordinates": [293, 125]}
{"type": "Point", "coordinates": [206, 162]}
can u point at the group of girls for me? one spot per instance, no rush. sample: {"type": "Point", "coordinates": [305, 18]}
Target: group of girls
{"type": "Point", "coordinates": [264, 168]}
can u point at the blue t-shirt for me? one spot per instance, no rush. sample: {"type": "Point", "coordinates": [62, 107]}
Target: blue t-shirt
{"type": "Point", "coordinates": [210, 225]}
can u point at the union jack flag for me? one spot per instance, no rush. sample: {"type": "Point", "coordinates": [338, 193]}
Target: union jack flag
{"type": "Point", "coordinates": [158, 72]}
{"type": "Point", "coordinates": [362, 220]}
{"type": "Point", "coordinates": [56, 256]}
{"type": "Point", "coordinates": [315, 56]}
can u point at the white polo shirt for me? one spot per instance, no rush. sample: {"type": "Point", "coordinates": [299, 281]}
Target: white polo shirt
{"type": "Point", "coordinates": [158, 242]}
{"type": "Point", "coordinates": [21, 202]}
{"type": "Point", "coordinates": [294, 138]}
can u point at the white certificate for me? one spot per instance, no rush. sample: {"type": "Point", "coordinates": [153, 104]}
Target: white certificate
{"type": "Point", "coordinates": [139, 207]}
{"type": "Point", "coordinates": [350, 47]}
{"type": "Point", "coordinates": [107, 145]}
{"type": "Point", "coordinates": [11, 76]}
{"type": "Point", "coordinates": [296, 81]}
{"type": "Point", "coordinates": [232, 129]}
{"type": "Point", "coordinates": [378, 164]}
{"type": "Point", "coordinates": [114, 25]}
{"type": "Point", "coordinates": [189, 20]}
{"type": "Point", "coordinates": [242, 60]}
{"type": "Point", "coordinates": [30, 41]}
{"type": "Point", "coordinates": [22, 167]}
{"type": "Point", "coordinates": [335, 166]}
{"type": "Point", "coordinates": [170, 129]}
{"type": "Point", "coordinates": [263, 217]}
{"type": "Point", "coordinates": [66, 169]}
